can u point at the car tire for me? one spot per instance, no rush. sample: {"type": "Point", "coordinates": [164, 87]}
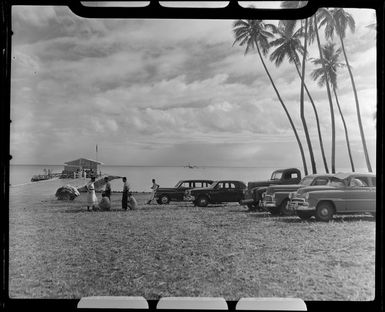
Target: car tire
{"type": "Point", "coordinates": [253, 206]}
{"type": "Point", "coordinates": [276, 211]}
{"type": "Point", "coordinates": [304, 215]}
{"type": "Point", "coordinates": [283, 208]}
{"type": "Point", "coordinates": [324, 212]}
{"type": "Point", "coordinates": [164, 199]}
{"type": "Point", "coordinates": [202, 201]}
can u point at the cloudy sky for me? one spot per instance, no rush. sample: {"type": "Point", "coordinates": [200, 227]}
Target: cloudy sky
{"type": "Point", "coordinates": [170, 92]}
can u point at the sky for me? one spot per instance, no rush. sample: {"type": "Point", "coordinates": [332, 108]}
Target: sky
{"type": "Point", "coordinates": [171, 93]}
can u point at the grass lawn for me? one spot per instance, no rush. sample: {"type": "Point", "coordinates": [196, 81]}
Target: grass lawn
{"type": "Point", "coordinates": [59, 250]}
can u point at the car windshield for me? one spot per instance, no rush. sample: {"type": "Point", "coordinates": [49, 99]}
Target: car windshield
{"type": "Point", "coordinates": [214, 184]}
{"type": "Point", "coordinates": [336, 182]}
{"type": "Point", "coordinates": [306, 181]}
{"type": "Point", "coordinates": [276, 175]}
{"type": "Point", "coordinates": [178, 184]}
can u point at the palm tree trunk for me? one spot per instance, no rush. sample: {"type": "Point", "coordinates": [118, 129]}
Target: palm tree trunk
{"type": "Point", "coordinates": [302, 106]}
{"type": "Point", "coordinates": [318, 123]}
{"type": "Point", "coordinates": [357, 109]}
{"type": "Point", "coordinates": [346, 130]}
{"type": "Point", "coordinates": [287, 113]}
{"type": "Point", "coordinates": [333, 158]}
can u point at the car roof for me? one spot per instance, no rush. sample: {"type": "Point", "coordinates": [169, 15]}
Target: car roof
{"type": "Point", "coordinates": [314, 175]}
{"type": "Point", "coordinates": [235, 181]}
{"type": "Point", "coordinates": [344, 175]}
{"type": "Point", "coordinates": [197, 180]}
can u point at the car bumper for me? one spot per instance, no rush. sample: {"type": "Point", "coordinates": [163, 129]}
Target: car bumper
{"type": "Point", "coordinates": [300, 207]}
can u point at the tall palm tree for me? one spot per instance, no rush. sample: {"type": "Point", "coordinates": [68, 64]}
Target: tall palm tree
{"type": "Point", "coordinates": [289, 45]}
{"type": "Point", "coordinates": [314, 33]}
{"type": "Point", "coordinates": [329, 73]}
{"type": "Point", "coordinates": [338, 20]}
{"type": "Point", "coordinates": [255, 34]}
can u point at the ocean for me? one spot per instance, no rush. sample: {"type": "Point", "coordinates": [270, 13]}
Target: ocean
{"type": "Point", "coordinates": [140, 177]}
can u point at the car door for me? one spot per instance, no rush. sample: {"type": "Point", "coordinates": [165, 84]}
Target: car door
{"type": "Point", "coordinates": [179, 193]}
{"type": "Point", "coordinates": [219, 193]}
{"type": "Point", "coordinates": [359, 195]}
{"type": "Point", "coordinates": [232, 192]}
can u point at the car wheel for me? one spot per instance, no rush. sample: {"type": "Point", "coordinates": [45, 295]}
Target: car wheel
{"type": "Point", "coordinates": [283, 208]}
{"type": "Point", "coordinates": [202, 201]}
{"type": "Point", "coordinates": [304, 215]}
{"type": "Point", "coordinates": [253, 206]}
{"type": "Point", "coordinates": [164, 199]}
{"type": "Point", "coordinates": [276, 211]}
{"type": "Point", "coordinates": [159, 201]}
{"type": "Point", "coordinates": [324, 212]}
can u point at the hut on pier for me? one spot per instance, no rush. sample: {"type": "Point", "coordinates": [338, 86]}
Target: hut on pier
{"type": "Point", "coordinates": [81, 167]}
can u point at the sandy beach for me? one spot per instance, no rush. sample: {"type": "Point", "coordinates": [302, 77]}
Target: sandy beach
{"type": "Point", "coordinates": [59, 250]}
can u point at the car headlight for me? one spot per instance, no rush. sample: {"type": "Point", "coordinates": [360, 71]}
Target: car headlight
{"type": "Point", "coordinates": [291, 195]}
{"type": "Point", "coordinates": [273, 196]}
{"type": "Point", "coordinates": [306, 196]}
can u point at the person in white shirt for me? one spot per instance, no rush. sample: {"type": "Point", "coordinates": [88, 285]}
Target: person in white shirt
{"type": "Point", "coordinates": [92, 200]}
{"type": "Point", "coordinates": [154, 187]}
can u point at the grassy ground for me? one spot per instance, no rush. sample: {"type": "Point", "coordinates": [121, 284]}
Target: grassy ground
{"type": "Point", "coordinates": [59, 250]}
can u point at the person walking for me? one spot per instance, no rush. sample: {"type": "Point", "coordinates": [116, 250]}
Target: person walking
{"type": "Point", "coordinates": [132, 203]}
{"type": "Point", "coordinates": [107, 188]}
{"type": "Point", "coordinates": [154, 187]}
{"type": "Point", "coordinates": [92, 200]}
{"type": "Point", "coordinates": [126, 189]}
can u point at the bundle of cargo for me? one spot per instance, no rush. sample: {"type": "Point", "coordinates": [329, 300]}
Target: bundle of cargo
{"type": "Point", "coordinates": [67, 192]}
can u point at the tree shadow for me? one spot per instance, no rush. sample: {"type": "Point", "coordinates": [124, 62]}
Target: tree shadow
{"type": "Point", "coordinates": [336, 219]}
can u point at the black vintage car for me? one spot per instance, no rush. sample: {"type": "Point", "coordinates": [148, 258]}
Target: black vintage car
{"type": "Point", "coordinates": [165, 195]}
{"type": "Point", "coordinates": [223, 191]}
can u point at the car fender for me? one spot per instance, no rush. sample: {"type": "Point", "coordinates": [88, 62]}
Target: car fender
{"type": "Point", "coordinates": [334, 197]}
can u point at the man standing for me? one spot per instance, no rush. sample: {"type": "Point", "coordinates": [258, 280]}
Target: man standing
{"type": "Point", "coordinates": [126, 188]}
{"type": "Point", "coordinates": [107, 189]}
{"type": "Point", "coordinates": [154, 187]}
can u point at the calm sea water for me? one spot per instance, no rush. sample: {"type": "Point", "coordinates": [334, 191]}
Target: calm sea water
{"type": "Point", "coordinates": [140, 178]}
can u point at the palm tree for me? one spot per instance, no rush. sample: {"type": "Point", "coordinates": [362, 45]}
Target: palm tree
{"type": "Point", "coordinates": [338, 20]}
{"type": "Point", "coordinates": [288, 45]}
{"type": "Point", "coordinates": [329, 73]}
{"type": "Point", "coordinates": [313, 33]}
{"type": "Point", "coordinates": [255, 34]}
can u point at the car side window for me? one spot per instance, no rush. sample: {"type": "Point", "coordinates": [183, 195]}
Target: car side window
{"type": "Point", "coordinates": [321, 181]}
{"type": "Point", "coordinates": [358, 182]}
{"type": "Point", "coordinates": [294, 175]}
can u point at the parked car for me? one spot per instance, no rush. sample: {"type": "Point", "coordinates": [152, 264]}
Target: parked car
{"type": "Point", "coordinates": [222, 191]}
{"type": "Point", "coordinates": [351, 193]}
{"type": "Point", "coordinates": [165, 195]}
{"type": "Point", "coordinates": [276, 197]}
{"type": "Point", "coordinates": [254, 191]}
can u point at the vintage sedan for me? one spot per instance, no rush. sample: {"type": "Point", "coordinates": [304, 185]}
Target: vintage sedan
{"type": "Point", "coordinates": [223, 191]}
{"type": "Point", "coordinates": [276, 197]}
{"type": "Point", "coordinates": [164, 195]}
{"type": "Point", "coordinates": [351, 193]}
